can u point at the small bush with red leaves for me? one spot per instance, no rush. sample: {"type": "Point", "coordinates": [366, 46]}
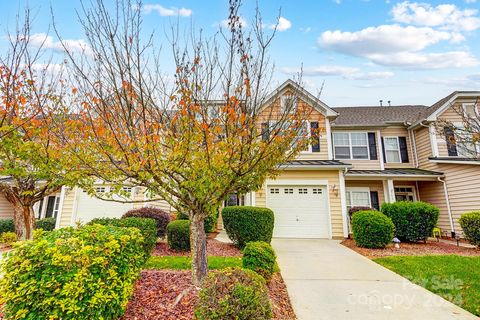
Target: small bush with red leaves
{"type": "Point", "coordinates": [352, 210]}
{"type": "Point", "coordinates": [161, 218]}
{"type": "Point", "coordinates": [234, 293]}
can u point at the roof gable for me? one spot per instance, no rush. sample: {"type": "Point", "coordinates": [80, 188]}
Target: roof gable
{"type": "Point", "coordinates": [306, 96]}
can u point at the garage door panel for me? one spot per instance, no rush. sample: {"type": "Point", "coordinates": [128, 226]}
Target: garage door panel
{"type": "Point", "coordinates": [89, 207]}
{"type": "Point", "coordinates": [300, 211]}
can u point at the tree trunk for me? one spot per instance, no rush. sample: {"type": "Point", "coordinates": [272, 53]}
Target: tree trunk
{"type": "Point", "coordinates": [24, 221]}
{"type": "Point", "coordinates": [198, 244]}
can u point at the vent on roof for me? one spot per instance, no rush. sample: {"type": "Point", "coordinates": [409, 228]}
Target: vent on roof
{"type": "Point", "coordinates": [389, 103]}
{"type": "Point", "coordinates": [381, 103]}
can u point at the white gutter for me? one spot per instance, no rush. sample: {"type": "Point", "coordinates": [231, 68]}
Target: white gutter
{"type": "Point", "coordinates": [450, 217]}
{"type": "Point", "coordinates": [453, 161]}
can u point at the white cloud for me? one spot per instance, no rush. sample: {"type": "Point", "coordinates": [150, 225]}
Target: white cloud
{"type": "Point", "coordinates": [471, 81]}
{"type": "Point", "coordinates": [166, 12]}
{"type": "Point", "coordinates": [382, 39]}
{"type": "Point", "coordinates": [415, 60]}
{"type": "Point", "coordinates": [350, 73]}
{"type": "Point", "coordinates": [241, 20]}
{"type": "Point", "coordinates": [443, 16]}
{"type": "Point", "coordinates": [282, 24]}
{"type": "Point", "coordinates": [470, 1]}
{"type": "Point", "coordinates": [42, 39]}
{"type": "Point", "coordinates": [398, 46]}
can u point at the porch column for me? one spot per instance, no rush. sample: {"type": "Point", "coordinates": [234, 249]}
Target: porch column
{"type": "Point", "coordinates": [389, 191]}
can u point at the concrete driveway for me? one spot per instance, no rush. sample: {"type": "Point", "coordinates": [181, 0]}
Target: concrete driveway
{"type": "Point", "coordinates": [326, 280]}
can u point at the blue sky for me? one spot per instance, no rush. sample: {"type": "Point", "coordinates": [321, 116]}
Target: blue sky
{"type": "Point", "coordinates": [362, 50]}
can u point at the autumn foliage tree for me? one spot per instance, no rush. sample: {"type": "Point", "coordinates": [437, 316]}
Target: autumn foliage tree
{"type": "Point", "coordinates": [29, 101]}
{"type": "Point", "coordinates": [191, 141]}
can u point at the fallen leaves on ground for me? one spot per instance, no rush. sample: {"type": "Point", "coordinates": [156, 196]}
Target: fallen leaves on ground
{"type": "Point", "coordinates": [214, 248]}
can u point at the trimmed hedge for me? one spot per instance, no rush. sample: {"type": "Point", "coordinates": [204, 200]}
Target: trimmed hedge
{"type": "Point", "coordinates": [372, 229]}
{"type": "Point", "coordinates": [147, 227]}
{"type": "Point", "coordinates": [82, 274]}
{"type": "Point", "coordinates": [161, 218]}
{"type": "Point", "coordinates": [413, 221]}
{"type": "Point", "coordinates": [246, 224]}
{"type": "Point", "coordinates": [209, 224]}
{"type": "Point", "coordinates": [470, 223]}
{"type": "Point", "coordinates": [233, 293]}
{"type": "Point", "coordinates": [47, 224]}
{"type": "Point", "coordinates": [178, 235]}
{"type": "Point", "coordinates": [260, 257]}
{"type": "Point", "coordinates": [7, 225]}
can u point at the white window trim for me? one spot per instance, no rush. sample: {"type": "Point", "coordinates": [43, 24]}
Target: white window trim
{"type": "Point", "coordinates": [470, 104]}
{"type": "Point", "coordinates": [398, 150]}
{"type": "Point", "coordinates": [350, 145]}
{"type": "Point", "coordinates": [282, 102]}
{"type": "Point", "coordinates": [414, 190]}
{"type": "Point", "coordinates": [273, 123]}
{"type": "Point", "coordinates": [357, 189]}
{"type": "Point", "coordinates": [461, 126]}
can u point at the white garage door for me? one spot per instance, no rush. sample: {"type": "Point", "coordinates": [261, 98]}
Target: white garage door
{"type": "Point", "coordinates": [89, 208]}
{"type": "Point", "coordinates": [300, 211]}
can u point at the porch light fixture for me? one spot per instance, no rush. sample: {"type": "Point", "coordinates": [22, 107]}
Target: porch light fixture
{"type": "Point", "coordinates": [334, 189]}
{"type": "Point", "coordinates": [396, 241]}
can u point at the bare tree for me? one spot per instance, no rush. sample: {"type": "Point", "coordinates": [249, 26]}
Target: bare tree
{"type": "Point", "coordinates": [192, 137]}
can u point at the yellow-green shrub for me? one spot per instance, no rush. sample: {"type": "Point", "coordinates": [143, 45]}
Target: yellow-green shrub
{"type": "Point", "coordinates": [84, 273]}
{"type": "Point", "coordinates": [8, 238]}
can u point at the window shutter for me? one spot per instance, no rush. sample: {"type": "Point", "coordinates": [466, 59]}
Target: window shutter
{"type": "Point", "coordinates": [372, 146]}
{"type": "Point", "coordinates": [265, 131]}
{"type": "Point", "coordinates": [451, 142]}
{"type": "Point", "coordinates": [402, 143]}
{"type": "Point", "coordinates": [383, 152]}
{"type": "Point", "coordinates": [315, 136]}
{"type": "Point", "coordinates": [374, 200]}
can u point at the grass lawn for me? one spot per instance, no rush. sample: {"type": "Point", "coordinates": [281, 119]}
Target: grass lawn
{"type": "Point", "coordinates": [455, 278]}
{"type": "Point", "coordinates": [184, 263]}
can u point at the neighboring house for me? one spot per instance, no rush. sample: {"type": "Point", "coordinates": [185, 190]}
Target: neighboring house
{"type": "Point", "coordinates": [364, 156]}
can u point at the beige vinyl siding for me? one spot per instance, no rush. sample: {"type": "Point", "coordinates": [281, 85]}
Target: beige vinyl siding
{"type": "Point", "coordinates": [450, 115]}
{"type": "Point", "coordinates": [399, 132]}
{"type": "Point", "coordinates": [424, 149]}
{"type": "Point", "coordinates": [362, 164]}
{"type": "Point", "coordinates": [334, 195]}
{"type": "Point", "coordinates": [66, 219]}
{"type": "Point", "coordinates": [142, 197]}
{"type": "Point", "coordinates": [272, 112]}
{"type": "Point", "coordinates": [6, 208]}
{"type": "Point", "coordinates": [372, 185]}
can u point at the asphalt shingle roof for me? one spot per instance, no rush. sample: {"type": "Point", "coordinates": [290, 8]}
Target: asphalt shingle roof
{"type": "Point", "coordinates": [378, 116]}
{"type": "Point", "coordinates": [395, 171]}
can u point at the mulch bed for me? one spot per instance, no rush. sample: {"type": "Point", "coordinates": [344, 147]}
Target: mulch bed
{"type": "Point", "coordinates": [157, 292]}
{"type": "Point", "coordinates": [413, 249]}
{"type": "Point", "coordinates": [214, 248]}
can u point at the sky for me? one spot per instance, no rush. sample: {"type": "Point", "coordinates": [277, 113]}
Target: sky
{"type": "Point", "coordinates": [351, 52]}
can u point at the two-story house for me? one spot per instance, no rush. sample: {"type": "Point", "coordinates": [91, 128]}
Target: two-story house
{"type": "Point", "coordinates": [364, 156]}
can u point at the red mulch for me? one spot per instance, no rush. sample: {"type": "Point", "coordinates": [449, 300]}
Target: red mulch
{"type": "Point", "coordinates": [214, 248]}
{"type": "Point", "coordinates": [432, 247]}
{"type": "Point", "coordinates": [157, 290]}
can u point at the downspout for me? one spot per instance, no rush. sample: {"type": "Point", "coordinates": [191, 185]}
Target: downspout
{"type": "Point", "coordinates": [450, 217]}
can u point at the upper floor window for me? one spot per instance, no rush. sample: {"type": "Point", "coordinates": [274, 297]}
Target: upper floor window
{"type": "Point", "coordinates": [350, 145]}
{"type": "Point", "coordinates": [308, 130]}
{"type": "Point", "coordinates": [392, 149]}
{"type": "Point", "coordinates": [288, 103]}
{"type": "Point", "coordinates": [471, 111]}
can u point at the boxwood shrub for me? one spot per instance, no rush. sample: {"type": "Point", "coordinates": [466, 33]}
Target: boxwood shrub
{"type": "Point", "coordinates": [147, 227]}
{"type": "Point", "coordinates": [413, 221]}
{"type": "Point", "coordinates": [372, 229]}
{"type": "Point", "coordinates": [82, 274]}
{"type": "Point", "coordinates": [246, 224]}
{"type": "Point", "coordinates": [210, 223]}
{"type": "Point", "coordinates": [260, 257]}
{"type": "Point", "coordinates": [47, 224]}
{"type": "Point", "coordinates": [470, 223]}
{"type": "Point", "coordinates": [7, 225]}
{"type": "Point", "coordinates": [162, 218]}
{"type": "Point", "coordinates": [178, 235]}
{"type": "Point", "coordinates": [233, 293]}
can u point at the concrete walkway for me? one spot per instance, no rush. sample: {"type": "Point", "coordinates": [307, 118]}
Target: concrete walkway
{"type": "Point", "coordinates": [326, 280]}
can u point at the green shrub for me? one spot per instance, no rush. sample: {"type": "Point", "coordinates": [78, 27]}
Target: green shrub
{"type": "Point", "coordinates": [260, 257]}
{"type": "Point", "coordinates": [8, 238]}
{"type": "Point", "coordinates": [233, 293]}
{"type": "Point", "coordinates": [246, 224]}
{"type": "Point", "coordinates": [210, 223]}
{"type": "Point", "coordinates": [82, 274]}
{"type": "Point", "coordinates": [178, 235]}
{"type": "Point", "coordinates": [47, 224]}
{"type": "Point", "coordinates": [413, 221]}
{"type": "Point", "coordinates": [372, 229]}
{"type": "Point", "coordinates": [470, 223]}
{"type": "Point", "coordinates": [147, 227]}
{"type": "Point", "coordinates": [161, 218]}
{"type": "Point", "coordinates": [7, 225]}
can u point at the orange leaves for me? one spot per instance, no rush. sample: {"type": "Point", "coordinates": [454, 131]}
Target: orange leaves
{"type": "Point", "coordinates": [74, 90]}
